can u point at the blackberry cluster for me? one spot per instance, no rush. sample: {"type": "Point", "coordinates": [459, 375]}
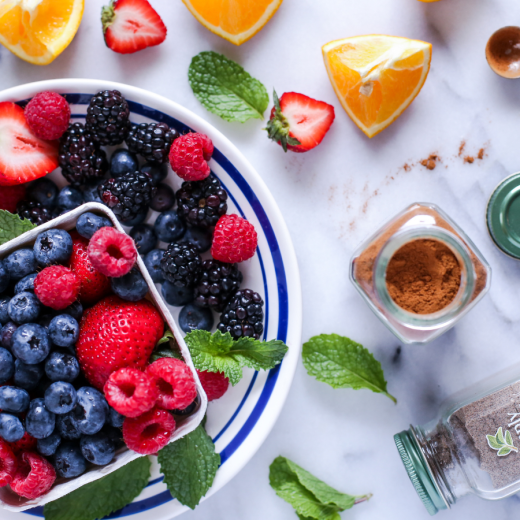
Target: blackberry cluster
{"type": "Point", "coordinates": [181, 265]}
{"type": "Point", "coordinates": [152, 141]}
{"type": "Point", "coordinates": [218, 283]}
{"type": "Point", "coordinates": [243, 315]}
{"type": "Point", "coordinates": [33, 211]}
{"type": "Point", "coordinates": [128, 195]}
{"type": "Point", "coordinates": [202, 203]}
{"type": "Point", "coordinates": [80, 157]}
{"type": "Point", "coordinates": [108, 117]}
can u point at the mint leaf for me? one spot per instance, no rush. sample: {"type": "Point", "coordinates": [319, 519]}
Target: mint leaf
{"type": "Point", "coordinates": [259, 355]}
{"type": "Point", "coordinates": [12, 226]}
{"type": "Point", "coordinates": [343, 363]}
{"type": "Point", "coordinates": [226, 89]}
{"type": "Point", "coordinates": [165, 352]}
{"type": "Point", "coordinates": [189, 466]}
{"type": "Point", "coordinates": [310, 497]}
{"type": "Point", "coordinates": [167, 337]}
{"type": "Point", "coordinates": [104, 496]}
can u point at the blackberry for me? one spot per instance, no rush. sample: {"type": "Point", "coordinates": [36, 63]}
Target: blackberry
{"type": "Point", "coordinates": [181, 265]}
{"type": "Point", "coordinates": [80, 157]}
{"type": "Point", "coordinates": [218, 283]}
{"type": "Point", "coordinates": [107, 117]}
{"type": "Point", "coordinates": [202, 203]}
{"type": "Point", "coordinates": [152, 141]}
{"type": "Point", "coordinates": [128, 195]}
{"type": "Point", "coordinates": [33, 211]}
{"type": "Point", "coordinates": [243, 315]}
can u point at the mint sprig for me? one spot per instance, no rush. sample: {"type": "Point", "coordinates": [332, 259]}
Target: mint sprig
{"type": "Point", "coordinates": [104, 496]}
{"type": "Point", "coordinates": [343, 363]}
{"type": "Point", "coordinates": [310, 497]}
{"type": "Point", "coordinates": [12, 226]}
{"type": "Point", "coordinates": [218, 352]}
{"type": "Point", "coordinates": [226, 89]}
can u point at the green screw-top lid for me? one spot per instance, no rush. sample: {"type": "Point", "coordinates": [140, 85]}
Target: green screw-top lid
{"type": "Point", "coordinates": [503, 216]}
{"type": "Point", "coordinates": [417, 469]}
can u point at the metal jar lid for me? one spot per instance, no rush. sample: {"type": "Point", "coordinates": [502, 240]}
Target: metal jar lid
{"type": "Point", "coordinates": [503, 216]}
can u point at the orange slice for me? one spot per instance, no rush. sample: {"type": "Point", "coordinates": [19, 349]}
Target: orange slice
{"type": "Point", "coordinates": [234, 20]}
{"type": "Point", "coordinates": [376, 77]}
{"type": "Point", "coordinates": [39, 30]}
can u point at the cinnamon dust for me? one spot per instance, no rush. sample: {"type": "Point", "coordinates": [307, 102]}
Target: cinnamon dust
{"type": "Point", "coordinates": [431, 162]}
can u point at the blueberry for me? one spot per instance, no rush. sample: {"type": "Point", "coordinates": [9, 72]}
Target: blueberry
{"type": "Point", "coordinates": [6, 336]}
{"type": "Point", "coordinates": [169, 226]}
{"type": "Point", "coordinates": [62, 367]}
{"type": "Point", "coordinates": [11, 428]}
{"type": "Point", "coordinates": [68, 461]}
{"type": "Point", "coordinates": [152, 261]}
{"type": "Point", "coordinates": [14, 400]}
{"type": "Point", "coordinates": [6, 367]}
{"type": "Point", "coordinates": [158, 172]}
{"type": "Point", "coordinates": [201, 239]}
{"type": "Point", "coordinates": [91, 410]}
{"type": "Point", "coordinates": [114, 418]}
{"type": "Point", "coordinates": [67, 425]}
{"type": "Point", "coordinates": [116, 435]}
{"type": "Point", "coordinates": [52, 247]}
{"type": "Point", "coordinates": [139, 219]}
{"type": "Point", "coordinates": [24, 307]}
{"type": "Point", "coordinates": [40, 421]}
{"type": "Point", "coordinates": [131, 287]}
{"type": "Point", "coordinates": [123, 161]}
{"type": "Point", "coordinates": [31, 343]}
{"type": "Point", "coordinates": [64, 330]}
{"type": "Point", "coordinates": [4, 313]}
{"type": "Point", "coordinates": [20, 264]}
{"type": "Point", "coordinates": [60, 397]}
{"type": "Point", "coordinates": [5, 277]}
{"type": "Point", "coordinates": [27, 376]}
{"type": "Point", "coordinates": [193, 317]}
{"type": "Point", "coordinates": [164, 198]}
{"type": "Point", "coordinates": [98, 448]}
{"type": "Point", "coordinates": [90, 192]}
{"type": "Point", "coordinates": [69, 198]}
{"type": "Point", "coordinates": [45, 320]}
{"type": "Point", "coordinates": [88, 223]}
{"type": "Point", "coordinates": [144, 238]}
{"type": "Point", "coordinates": [25, 284]}
{"type": "Point", "coordinates": [49, 445]}
{"type": "Point", "coordinates": [177, 296]}
{"type": "Point", "coordinates": [75, 310]}
{"type": "Point", "coordinates": [43, 191]}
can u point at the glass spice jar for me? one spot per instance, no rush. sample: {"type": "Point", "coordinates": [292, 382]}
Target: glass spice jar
{"type": "Point", "coordinates": [473, 447]}
{"type": "Point", "coordinates": [420, 273]}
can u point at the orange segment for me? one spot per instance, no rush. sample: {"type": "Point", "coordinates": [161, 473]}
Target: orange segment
{"type": "Point", "coordinates": [39, 30]}
{"type": "Point", "coordinates": [234, 20]}
{"type": "Point", "coordinates": [376, 77]}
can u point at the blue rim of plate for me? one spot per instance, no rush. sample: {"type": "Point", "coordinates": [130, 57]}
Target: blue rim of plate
{"type": "Point", "coordinates": [283, 298]}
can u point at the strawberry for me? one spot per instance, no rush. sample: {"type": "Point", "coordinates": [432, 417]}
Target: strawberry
{"type": "Point", "coordinates": [131, 26]}
{"type": "Point", "coordinates": [23, 157]}
{"type": "Point", "coordinates": [298, 122]}
{"type": "Point", "coordinates": [115, 334]}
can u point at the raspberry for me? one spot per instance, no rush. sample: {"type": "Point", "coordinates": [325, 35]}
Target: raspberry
{"type": "Point", "coordinates": [111, 252]}
{"type": "Point", "coordinates": [175, 383]}
{"type": "Point", "coordinates": [189, 155]}
{"type": "Point", "coordinates": [215, 384]}
{"type": "Point", "coordinates": [26, 443]}
{"type": "Point", "coordinates": [234, 241]}
{"type": "Point", "coordinates": [8, 464]}
{"type": "Point", "coordinates": [10, 196]}
{"type": "Point", "coordinates": [149, 432]}
{"type": "Point", "coordinates": [34, 477]}
{"type": "Point", "coordinates": [130, 392]}
{"type": "Point", "coordinates": [48, 115]}
{"type": "Point", "coordinates": [57, 287]}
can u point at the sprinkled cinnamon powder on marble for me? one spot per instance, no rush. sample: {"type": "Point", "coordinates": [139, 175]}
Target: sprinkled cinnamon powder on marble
{"type": "Point", "coordinates": [431, 162]}
{"type": "Point", "coordinates": [469, 159]}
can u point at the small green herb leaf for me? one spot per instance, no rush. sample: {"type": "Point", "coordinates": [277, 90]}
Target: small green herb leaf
{"type": "Point", "coordinates": [504, 446]}
{"type": "Point", "coordinates": [493, 442]}
{"type": "Point", "coordinates": [12, 226]}
{"type": "Point", "coordinates": [502, 452]}
{"type": "Point", "coordinates": [343, 363]}
{"type": "Point", "coordinates": [189, 466]}
{"type": "Point", "coordinates": [168, 335]}
{"type": "Point", "coordinates": [104, 496]}
{"type": "Point", "coordinates": [509, 439]}
{"type": "Point", "coordinates": [226, 89]}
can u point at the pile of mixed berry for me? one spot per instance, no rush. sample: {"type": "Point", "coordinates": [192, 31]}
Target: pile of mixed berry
{"type": "Point", "coordinates": [76, 329]}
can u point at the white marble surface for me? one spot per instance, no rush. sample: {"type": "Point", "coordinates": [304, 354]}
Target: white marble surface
{"type": "Point", "coordinates": [335, 196]}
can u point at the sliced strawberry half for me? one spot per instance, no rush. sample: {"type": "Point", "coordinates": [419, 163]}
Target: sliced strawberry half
{"type": "Point", "coordinates": [298, 122]}
{"type": "Point", "coordinates": [23, 157]}
{"type": "Point", "coordinates": [131, 25]}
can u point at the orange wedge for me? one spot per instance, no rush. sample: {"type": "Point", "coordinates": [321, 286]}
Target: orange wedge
{"type": "Point", "coordinates": [234, 20]}
{"type": "Point", "coordinates": [39, 30]}
{"type": "Point", "coordinates": [376, 77]}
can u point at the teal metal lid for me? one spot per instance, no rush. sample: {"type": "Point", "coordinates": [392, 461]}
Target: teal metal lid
{"type": "Point", "coordinates": [503, 216]}
{"type": "Point", "coordinates": [417, 469]}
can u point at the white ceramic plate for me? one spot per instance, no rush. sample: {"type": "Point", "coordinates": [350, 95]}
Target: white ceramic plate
{"type": "Point", "coordinates": [241, 420]}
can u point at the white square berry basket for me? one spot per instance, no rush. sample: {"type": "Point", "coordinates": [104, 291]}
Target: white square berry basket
{"type": "Point", "coordinates": [185, 425]}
